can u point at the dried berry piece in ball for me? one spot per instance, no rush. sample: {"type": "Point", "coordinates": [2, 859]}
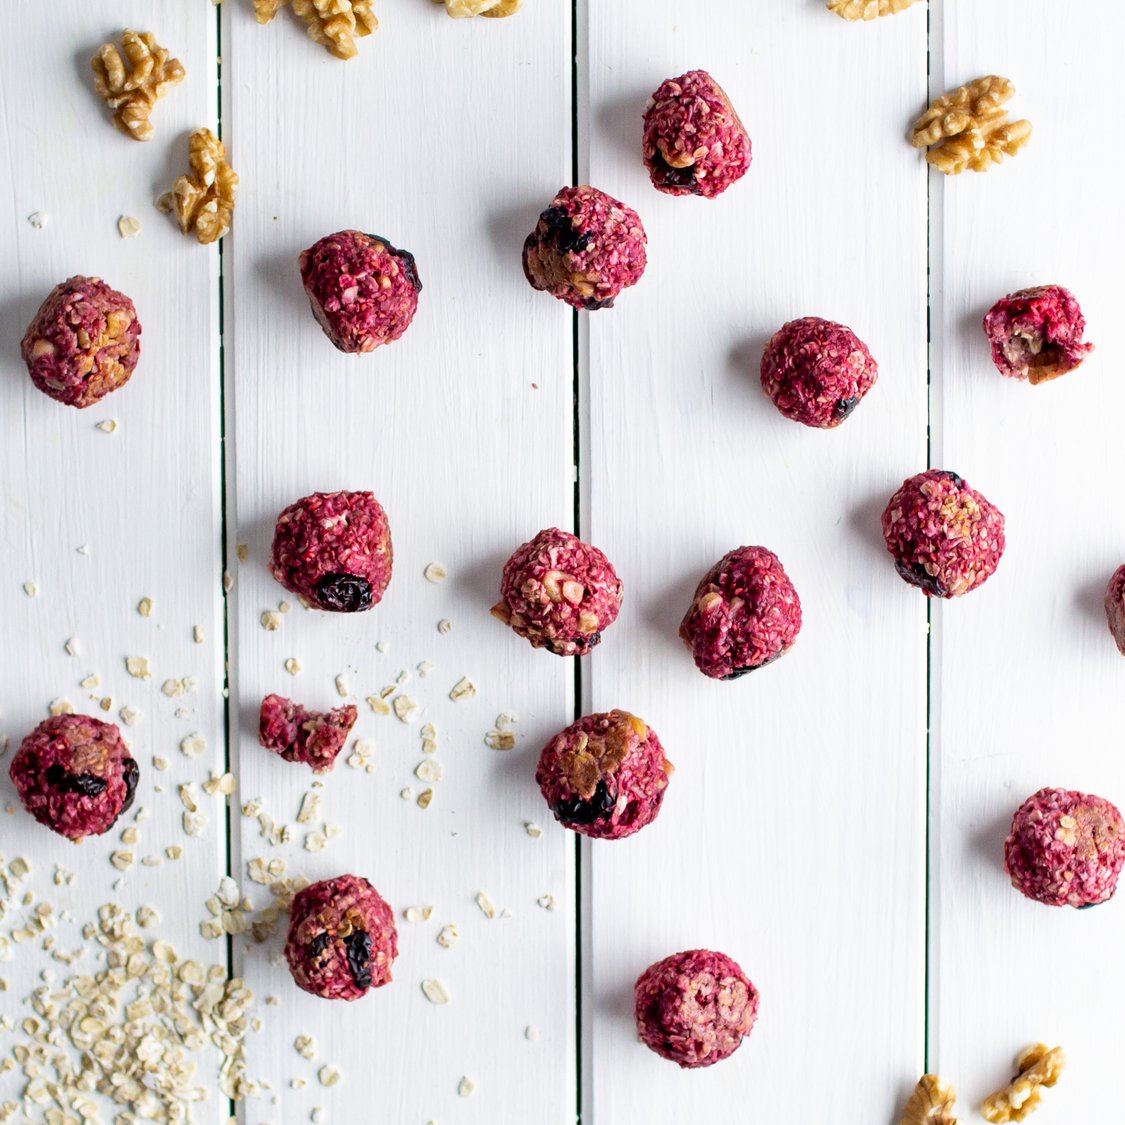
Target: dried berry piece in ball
{"type": "Point", "coordinates": [341, 938]}
{"type": "Point", "coordinates": [695, 1007]}
{"type": "Point", "coordinates": [1066, 848]}
{"type": "Point", "coordinates": [363, 291]}
{"type": "Point", "coordinates": [586, 248]}
{"type": "Point", "coordinates": [745, 613]}
{"type": "Point", "coordinates": [817, 372]}
{"type": "Point", "coordinates": [1115, 607]}
{"type": "Point", "coordinates": [84, 342]}
{"type": "Point", "coordinates": [605, 775]}
{"type": "Point", "coordinates": [559, 593]}
{"type": "Point", "coordinates": [297, 735]}
{"type": "Point", "coordinates": [75, 775]}
{"type": "Point", "coordinates": [946, 538]}
{"type": "Point", "coordinates": [694, 143]}
{"type": "Point", "coordinates": [1036, 334]}
{"type": "Point", "coordinates": [334, 550]}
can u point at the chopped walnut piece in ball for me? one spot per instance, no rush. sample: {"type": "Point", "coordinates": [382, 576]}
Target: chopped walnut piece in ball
{"type": "Point", "coordinates": [969, 127]}
{"type": "Point", "coordinates": [1038, 1067]}
{"type": "Point", "coordinates": [336, 24]}
{"type": "Point", "coordinates": [867, 9]}
{"type": "Point", "coordinates": [203, 202]}
{"type": "Point", "coordinates": [130, 80]}
{"type": "Point", "coordinates": [931, 1103]}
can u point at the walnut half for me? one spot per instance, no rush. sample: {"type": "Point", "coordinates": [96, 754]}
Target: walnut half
{"type": "Point", "coordinates": [969, 127]}
{"type": "Point", "coordinates": [1038, 1067]}
{"type": "Point", "coordinates": [203, 202]}
{"type": "Point", "coordinates": [494, 9]}
{"type": "Point", "coordinates": [931, 1103]}
{"type": "Point", "coordinates": [867, 9]}
{"type": "Point", "coordinates": [336, 24]}
{"type": "Point", "coordinates": [130, 80]}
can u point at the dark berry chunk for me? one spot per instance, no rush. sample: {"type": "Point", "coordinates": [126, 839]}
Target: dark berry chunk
{"type": "Point", "coordinates": [318, 945]}
{"type": "Point", "coordinates": [664, 175]}
{"type": "Point", "coordinates": [573, 810]}
{"type": "Point", "coordinates": [358, 946]}
{"type": "Point", "coordinates": [844, 407]}
{"type": "Point", "coordinates": [917, 575]}
{"type": "Point", "coordinates": [85, 784]}
{"type": "Point", "coordinates": [560, 227]}
{"type": "Point", "coordinates": [344, 593]}
{"type": "Point", "coordinates": [131, 776]}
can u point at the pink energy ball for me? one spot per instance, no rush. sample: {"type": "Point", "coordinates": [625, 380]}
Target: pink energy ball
{"type": "Point", "coordinates": [1115, 607]}
{"type": "Point", "coordinates": [745, 613]}
{"type": "Point", "coordinates": [84, 342]}
{"type": "Point", "coordinates": [586, 248]}
{"type": "Point", "coordinates": [817, 372]}
{"type": "Point", "coordinates": [559, 593]}
{"type": "Point", "coordinates": [945, 537]}
{"type": "Point", "coordinates": [75, 775]}
{"type": "Point", "coordinates": [605, 775]}
{"type": "Point", "coordinates": [312, 737]}
{"type": "Point", "coordinates": [694, 143]}
{"type": "Point", "coordinates": [363, 291]}
{"type": "Point", "coordinates": [695, 1007]}
{"type": "Point", "coordinates": [1036, 334]}
{"type": "Point", "coordinates": [1066, 848]}
{"type": "Point", "coordinates": [334, 550]}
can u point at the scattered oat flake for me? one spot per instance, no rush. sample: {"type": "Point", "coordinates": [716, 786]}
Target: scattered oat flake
{"type": "Point", "coordinates": [407, 794]}
{"type": "Point", "coordinates": [328, 1075]}
{"type": "Point", "coordinates": [418, 913]}
{"type": "Point", "coordinates": [532, 829]}
{"type": "Point", "coordinates": [424, 798]}
{"type": "Point", "coordinates": [547, 902]}
{"type": "Point", "coordinates": [310, 808]}
{"type": "Point", "coordinates": [435, 991]}
{"type": "Point", "coordinates": [107, 426]}
{"type": "Point", "coordinates": [531, 1032]}
{"type": "Point", "coordinates": [30, 589]}
{"type": "Point", "coordinates": [121, 859]}
{"type": "Point", "coordinates": [160, 764]}
{"type": "Point", "coordinates": [144, 607]}
{"type": "Point", "coordinates": [283, 607]}
{"type": "Point", "coordinates": [128, 226]}
{"type": "Point", "coordinates": [72, 648]}
{"type": "Point", "coordinates": [173, 851]}
{"type": "Point", "coordinates": [404, 708]}
{"type": "Point", "coordinates": [130, 716]}
{"type": "Point", "coordinates": [485, 904]}
{"type": "Point", "coordinates": [444, 625]}
{"type": "Point", "coordinates": [428, 770]}
{"type": "Point", "coordinates": [39, 219]}
{"type": "Point", "coordinates": [435, 572]}
{"type": "Point", "coordinates": [90, 682]}
{"type": "Point", "coordinates": [305, 1046]}
{"type": "Point", "coordinates": [228, 582]}
{"type": "Point", "coordinates": [242, 552]}
{"type": "Point", "coordinates": [197, 634]}
{"type": "Point", "coordinates": [61, 707]}
{"type": "Point", "coordinates": [292, 666]}
{"type": "Point", "coordinates": [448, 936]}
{"type": "Point", "coordinates": [342, 687]}
{"type": "Point", "coordinates": [193, 745]}
{"type": "Point", "coordinates": [137, 667]}
{"type": "Point", "coordinates": [271, 620]}
{"type": "Point", "coordinates": [379, 706]}
{"type": "Point", "coordinates": [465, 1087]}
{"type": "Point", "coordinates": [500, 739]}
{"type": "Point", "coordinates": [464, 688]}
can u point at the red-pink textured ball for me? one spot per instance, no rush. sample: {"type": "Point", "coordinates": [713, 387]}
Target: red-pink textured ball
{"type": "Point", "coordinates": [342, 938]}
{"type": "Point", "coordinates": [604, 776]}
{"type": "Point", "coordinates": [817, 372]}
{"type": "Point", "coordinates": [695, 1007]}
{"type": "Point", "coordinates": [586, 248]}
{"type": "Point", "coordinates": [297, 735]}
{"type": "Point", "coordinates": [334, 550]}
{"type": "Point", "coordinates": [945, 537]}
{"type": "Point", "coordinates": [1036, 334]}
{"type": "Point", "coordinates": [363, 291]}
{"type": "Point", "coordinates": [1066, 848]}
{"type": "Point", "coordinates": [84, 342]}
{"type": "Point", "coordinates": [1115, 607]}
{"type": "Point", "coordinates": [745, 613]}
{"type": "Point", "coordinates": [693, 142]}
{"type": "Point", "coordinates": [559, 593]}
{"type": "Point", "coordinates": [75, 775]}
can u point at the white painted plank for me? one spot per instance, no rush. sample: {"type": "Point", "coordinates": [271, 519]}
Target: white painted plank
{"type": "Point", "coordinates": [143, 501]}
{"type": "Point", "coordinates": [1029, 677]}
{"type": "Point", "coordinates": [793, 832]}
{"type": "Point", "coordinates": [447, 138]}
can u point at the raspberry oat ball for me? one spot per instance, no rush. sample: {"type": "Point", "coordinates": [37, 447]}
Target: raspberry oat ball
{"type": "Point", "coordinates": [946, 538]}
{"type": "Point", "coordinates": [1065, 848]}
{"type": "Point", "coordinates": [695, 1007]}
{"type": "Point", "coordinates": [1036, 334]}
{"type": "Point", "coordinates": [694, 143]}
{"type": "Point", "coordinates": [1115, 607]}
{"type": "Point", "coordinates": [816, 372]}
{"type": "Point", "coordinates": [341, 939]}
{"type": "Point", "coordinates": [75, 775]}
{"type": "Point", "coordinates": [297, 735]}
{"type": "Point", "coordinates": [745, 613]}
{"type": "Point", "coordinates": [84, 342]}
{"type": "Point", "coordinates": [363, 291]}
{"type": "Point", "coordinates": [585, 249]}
{"type": "Point", "coordinates": [334, 550]}
{"type": "Point", "coordinates": [605, 775]}
{"type": "Point", "coordinates": [559, 593]}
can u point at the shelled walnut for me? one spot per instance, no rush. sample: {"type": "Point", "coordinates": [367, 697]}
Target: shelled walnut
{"type": "Point", "coordinates": [335, 24]}
{"type": "Point", "coordinates": [969, 127]}
{"type": "Point", "coordinates": [1038, 1067]}
{"type": "Point", "coordinates": [931, 1103]}
{"type": "Point", "coordinates": [867, 9]}
{"type": "Point", "coordinates": [265, 10]}
{"type": "Point", "coordinates": [463, 9]}
{"type": "Point", "coordinates": [203, 201]}
{"type": "Point", "coordinates": [130, 80]}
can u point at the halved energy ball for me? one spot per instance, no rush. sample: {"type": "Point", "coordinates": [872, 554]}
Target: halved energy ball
{"type": "Point", "coordinates": [559, 593]}
{"type": "Point", "coordinates": [363, 291]}
{"type": "Point", "coordinates": [1115, 607]}
{"type": "Point", "coordinates": [75, 775]}
{"type": "Point", "coordinates": [695, 1007]}
{"type": "Point", "coordinates": [342, 938]}
{"type": "Point", "coordinates": [605, 775]}
{"type": "Point", "coordinates": [945, 537]}
{"type": "Point", "coordinates": [334, 550]}
{"type": "Point", "coordinates": [1066, 848]}
{"type": "Point", "coordinates": [745, 613]}
{"type": "Point", "coordinates": [1036, 334]}
{"type": "Point", "coordinates": [314, 738]}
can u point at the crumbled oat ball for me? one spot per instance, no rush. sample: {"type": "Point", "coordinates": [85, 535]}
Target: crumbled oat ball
{"type": "Point", "coordinates": [334, 549]}
{"type": "Point", "coordinates": [363, 291]}
{"type": "Point", "coordinates": [931, 1103]}
{"type": "Point", "coordinates": [559, 593]}
{"type": "Point", "coordinates": [1115, 607]}
{"type": "Point", "coordinates": [586, 248]}
{"type": "Point", "coordinates": [314, 738]}
{"type": "Point", "coordinates": [867, 9]}
{"type": "Point", "coordinates": [944, 536]}
{"type": "Point", "coordinates": [342, 938]}
{"type": "Point", "coordinates": [203, 201]}
{"type": "Point", "coordinates": [1066, 848]}
{"type": "Point", "coordinates": [1036, 334]}
{"type": "Point", "coordinates": [694, 142]}
{"type": "Point", "coordinates": [817, 372]}
{"type": "Point", "coordinates": [83, 343]}
{"type": "Point", "coordinates": [131, 79]}
{"type": "Point", "coordinates": [1038, 1068]}
{"type": "Point", "coordinates": [605, 776]}
{"type": "Point", "coordinates": [695, 1008]}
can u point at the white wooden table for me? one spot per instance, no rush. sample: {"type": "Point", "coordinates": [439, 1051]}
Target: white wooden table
{"type": "Point", "coordinates": [835, 823]}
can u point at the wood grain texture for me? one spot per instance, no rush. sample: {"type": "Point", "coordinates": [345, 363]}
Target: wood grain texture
{"type": "Point", "coordinates": [1029, 691]}
{"type": "Point", "coordinates": [792, 837]}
